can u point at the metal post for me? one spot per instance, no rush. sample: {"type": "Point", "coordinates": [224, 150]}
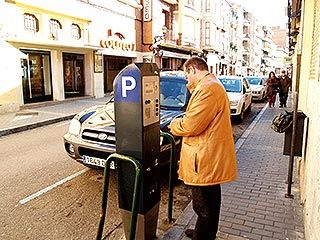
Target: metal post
{"type": "Point", "coordinates": [171, 172]}
{"type": "Point", "coordinates": [136, 193]}
{"type": "Point", "coordinates": [293, 140]}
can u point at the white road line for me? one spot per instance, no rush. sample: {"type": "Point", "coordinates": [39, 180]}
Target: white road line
{"type": "Point", "coordinates": [246, 133]}
{"type": "Point", "coordinates": [62, 181]}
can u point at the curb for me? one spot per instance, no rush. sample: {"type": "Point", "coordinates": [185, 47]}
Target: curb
{"type": "Point", "coordinates": [8, 131]}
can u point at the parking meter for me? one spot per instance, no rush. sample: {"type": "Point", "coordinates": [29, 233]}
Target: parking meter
{"type": "Point", "coordinates": [137, 111]}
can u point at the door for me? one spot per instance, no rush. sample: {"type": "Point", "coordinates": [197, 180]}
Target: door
{"type": "Point", "coordinates": [36, 77]}
{"type": "Point", "coordinates": [112, 66]}
{"type": "Point", "coordinates": [73, 74]}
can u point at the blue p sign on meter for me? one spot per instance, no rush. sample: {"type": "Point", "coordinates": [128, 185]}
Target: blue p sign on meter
{"type": "Point", "coordinates": [128, 85]}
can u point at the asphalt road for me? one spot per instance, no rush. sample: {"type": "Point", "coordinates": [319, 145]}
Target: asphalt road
{"type": "Point", "coordinates": [35, 160]}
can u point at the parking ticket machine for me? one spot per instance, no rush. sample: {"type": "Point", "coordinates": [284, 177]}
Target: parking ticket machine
{"type": "Point", "coordinates": [137, 114]}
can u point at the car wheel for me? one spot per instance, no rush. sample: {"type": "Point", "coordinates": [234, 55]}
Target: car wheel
{"type": "Point", "coordinates": [241, 115]}
{"type": "Point", "coordinates": [249, 108]}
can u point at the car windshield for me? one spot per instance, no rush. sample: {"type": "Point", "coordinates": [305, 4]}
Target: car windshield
{"type": "Point", "coordinates": [254, 81]}
{"type": "Point", "coordinates": [173, 92]}
{"type": "Point", "coordinates": [231, 85]}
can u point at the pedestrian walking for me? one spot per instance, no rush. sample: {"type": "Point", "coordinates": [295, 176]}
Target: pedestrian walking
{"type": "Point", "coordinates": [272, 85]}
{"type": "Point", "coordinates": [207, 157]}
{"type": "Point", "coordinates": [284, 85]}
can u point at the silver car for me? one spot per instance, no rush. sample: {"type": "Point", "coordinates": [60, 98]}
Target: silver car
{"type": "Point", "coordinates": [258, 86]}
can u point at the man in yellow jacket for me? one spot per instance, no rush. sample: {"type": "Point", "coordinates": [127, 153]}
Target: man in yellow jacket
{"type": "Point", "coordinates": [207, 156]}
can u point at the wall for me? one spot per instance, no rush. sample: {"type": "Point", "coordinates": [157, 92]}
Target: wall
{"type": "Point", "coordinates": [309, 103]}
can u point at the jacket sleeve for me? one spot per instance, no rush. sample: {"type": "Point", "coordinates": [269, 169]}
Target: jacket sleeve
{"type": "Point", "coordinates": [202, 109]}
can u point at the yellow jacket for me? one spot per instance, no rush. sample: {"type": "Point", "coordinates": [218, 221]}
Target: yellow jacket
{"type": "Point", "coordinates": [207, 154]}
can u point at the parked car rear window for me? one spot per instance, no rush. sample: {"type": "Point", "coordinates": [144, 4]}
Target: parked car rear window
{"type": "Point", "coordinates": [255, 81]}
{"type": "Point", "coordinates": [231, 85]}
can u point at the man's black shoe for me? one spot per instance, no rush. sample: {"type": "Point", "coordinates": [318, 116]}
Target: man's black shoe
{"type": "Point", "coordinates": [189, 232]}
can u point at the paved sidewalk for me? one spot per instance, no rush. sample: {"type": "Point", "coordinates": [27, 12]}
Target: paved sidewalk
{"type": "Point", "coordinates": [255, 207]}
{"type": "Point", "coordinates": [44, 114]}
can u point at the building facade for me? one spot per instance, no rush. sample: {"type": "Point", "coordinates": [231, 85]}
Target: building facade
{"type": "Point", "coordinates": [56, 53]}
{"type": "Point", "coordinates": [304, 45]}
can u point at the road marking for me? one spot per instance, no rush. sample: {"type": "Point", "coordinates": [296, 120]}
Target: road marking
{"type": "Point", "coordinates": [62, 181]}
{"type": "Point", "coordinates": [246, 133]}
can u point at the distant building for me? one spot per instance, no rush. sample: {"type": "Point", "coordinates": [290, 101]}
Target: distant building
{"type": "Point", "coordinates": [279, 37]}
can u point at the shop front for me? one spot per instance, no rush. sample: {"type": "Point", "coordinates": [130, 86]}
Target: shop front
{"type": "Point", "coordinates": [112, 66]}
{"type": "Point", "coordinates": [36, 76]}
{"type": "Point", "coordinates": [73, 75]}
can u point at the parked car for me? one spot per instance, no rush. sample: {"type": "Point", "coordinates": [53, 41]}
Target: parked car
{"type": "Point", "coordinates": [91, 135]}
{"type": "Point", "coordinates": [239, 93]}
{"type": "Point", "coordinates": [258, 86]}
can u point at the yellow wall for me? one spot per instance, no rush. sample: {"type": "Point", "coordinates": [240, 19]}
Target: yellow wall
{"type": "Point", "coordinates": [10, 78]}
{"type": "Point", "coordinates": [309, 103]}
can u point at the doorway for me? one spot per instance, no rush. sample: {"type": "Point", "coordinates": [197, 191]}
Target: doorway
{"type": "Point", "coordinates": [112, 66]}
{"type": "Point", "coordinates": [36, 76]}
{"type": "Point", "coordinates": [73, 74]}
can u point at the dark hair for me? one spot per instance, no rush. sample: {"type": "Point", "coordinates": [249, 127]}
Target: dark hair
{"type": "Point", "coordinates": [271, 73]}
{"type": "Point", "coordinates": [196, 62]}
{"type": "Point", "coordinates": [283, 71]}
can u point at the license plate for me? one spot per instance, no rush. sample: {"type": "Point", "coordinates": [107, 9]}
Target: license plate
{"type": "Point", "coordinates": [97, 161]}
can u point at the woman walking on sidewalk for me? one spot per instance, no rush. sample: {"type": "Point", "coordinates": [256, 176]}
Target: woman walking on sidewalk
{"type": "Point", "coordinates": [207, 157]}
{"type": "Point", "coordinates": [272, 84]}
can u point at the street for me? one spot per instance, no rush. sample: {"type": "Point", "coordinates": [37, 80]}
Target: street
{"type": "Point", "coordinates": [46, 195]}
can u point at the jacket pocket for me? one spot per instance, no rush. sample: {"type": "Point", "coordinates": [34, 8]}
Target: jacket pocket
{"type": "Point", "coordinates": [195, 163]}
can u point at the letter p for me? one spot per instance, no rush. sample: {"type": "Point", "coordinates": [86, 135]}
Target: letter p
{"type": "Point", "coordinates": [124, 87]}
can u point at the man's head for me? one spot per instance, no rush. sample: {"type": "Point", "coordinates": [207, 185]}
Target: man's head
{"type": "Point", "coordinates": [194, 68]}
{"type": "Point", "coordinates": [283, 72]}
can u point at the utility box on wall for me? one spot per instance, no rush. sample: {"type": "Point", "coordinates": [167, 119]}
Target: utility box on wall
{"type": "Point", "coordinates": [299, 137]}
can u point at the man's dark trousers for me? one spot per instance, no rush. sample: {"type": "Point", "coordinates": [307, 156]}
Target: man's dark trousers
{"type": "Point", "coordinates": [206, 204]}
{"type": "Point", "coordinates": [283, 99]}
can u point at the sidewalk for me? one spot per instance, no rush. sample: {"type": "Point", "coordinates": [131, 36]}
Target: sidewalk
{"type": "Point", "coordinates": [254, 207]}
{"type": "Point", "coordinates": [37, 116]}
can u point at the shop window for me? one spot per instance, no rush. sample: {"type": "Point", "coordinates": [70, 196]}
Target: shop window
{"type": "Point", "coordinates": [31, 23]}
{"type": "Point", "coordinates": [55, 26]}
{"type": "Point", "coordinates": [75, 31]}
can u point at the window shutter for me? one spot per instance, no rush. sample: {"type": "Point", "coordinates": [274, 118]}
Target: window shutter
{"type": "Point", "coordinates": [315, 51]}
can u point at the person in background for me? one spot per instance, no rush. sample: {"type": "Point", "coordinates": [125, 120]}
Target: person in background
{"type": "Point", "coordinates": [284, 85]}
{"type": "Point", "coordinates": [207, 157]}
{"type": "Point", "coordinates": [272, 84]}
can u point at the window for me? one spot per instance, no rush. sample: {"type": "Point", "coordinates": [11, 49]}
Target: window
{"type": "Point", "coordinates": [31, 23]}
{"type": "Point", "coordinates": [166, 19]}
{"type": "Point", "coordinates": [315, 52]}
{"type": "Point", "coordinates": [207, 34]}
{"type": "Point", "coordinates": [75, 31]}
{"type": "Point", "coordinates": [55, 25]}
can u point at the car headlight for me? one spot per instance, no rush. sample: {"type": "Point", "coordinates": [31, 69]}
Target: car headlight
{"type": "Point", "coordinates": [234, 102]}
{"type": "Point", "coordinates": [74, 127]}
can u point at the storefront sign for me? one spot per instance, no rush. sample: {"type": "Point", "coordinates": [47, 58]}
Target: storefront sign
{"type": "Point", "coordinates": [147, 10]}
{"type": "Point", "coordinates": [117, 45]}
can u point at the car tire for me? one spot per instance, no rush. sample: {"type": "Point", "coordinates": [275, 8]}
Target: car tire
{"type": "Point", "coordinates": [241, 115]}
{"type": "Point", "coordinates": [249, 108]}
